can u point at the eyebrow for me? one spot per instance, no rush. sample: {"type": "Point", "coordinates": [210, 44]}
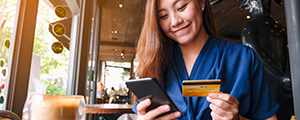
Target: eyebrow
{"type": "Point", "coordinates": [176, 1]}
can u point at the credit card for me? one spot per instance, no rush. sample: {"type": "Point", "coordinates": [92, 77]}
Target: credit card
{"type": "Point", "coordinates": [200, 88]}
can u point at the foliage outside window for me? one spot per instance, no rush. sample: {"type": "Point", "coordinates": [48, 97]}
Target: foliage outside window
{"type": "Point", "coordinates": [51, 64]}
{"type": "Point", "coordinates": [7, 19]}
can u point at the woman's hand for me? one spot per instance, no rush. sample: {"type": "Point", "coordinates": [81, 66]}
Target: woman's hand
{"type": "Point", "coordinates": [223, 106]}
{"type": "Point", "coordinates": [144, 114]}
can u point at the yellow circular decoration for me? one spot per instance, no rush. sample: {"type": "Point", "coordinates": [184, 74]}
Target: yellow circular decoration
{"type": "Point", "coordinates": [59, 29]}
{"type": "Point", "coordinates": [2, 62]}
{"type": "Point", "coordinates": [57, 47]}
{"type": "Point", "coordinates": [60, 11]}
{"type": "Point", "coordinates": [7, 43]}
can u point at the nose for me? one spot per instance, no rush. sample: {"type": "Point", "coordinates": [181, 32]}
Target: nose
{"type": "Point", "coordinates": [176, 20]}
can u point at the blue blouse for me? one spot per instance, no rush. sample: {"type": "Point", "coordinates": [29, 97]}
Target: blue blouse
{"type": "Point", "coordinates": [241, 74]}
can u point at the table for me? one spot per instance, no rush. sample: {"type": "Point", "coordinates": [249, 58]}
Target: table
{"type": "Point", "coordinates": [122, 99]}
{"type": "Point", "coordinates": [108, 111]}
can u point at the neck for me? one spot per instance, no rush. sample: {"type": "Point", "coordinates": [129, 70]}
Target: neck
{"type": "Point", "coordinates": [191, 50]}
{"type": "Point", "coordinates": [197, 43]}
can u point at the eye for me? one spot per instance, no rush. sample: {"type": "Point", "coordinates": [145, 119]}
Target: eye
{"type": "Point", "coordinates": [162, 17]}
{"type": "Point", "coordinates": [182, 7]}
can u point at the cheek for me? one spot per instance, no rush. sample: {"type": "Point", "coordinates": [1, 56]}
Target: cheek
{"type": "Point", "coordinates": [191, 14]}
{"type": "Point", "coordinates": [164, 26]}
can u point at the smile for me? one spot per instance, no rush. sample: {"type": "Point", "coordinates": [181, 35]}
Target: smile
{"type": "Point", "coordinates": [178, 30]}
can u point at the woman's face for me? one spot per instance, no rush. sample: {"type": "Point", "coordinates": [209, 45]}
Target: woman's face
{"type": "Point", "coordinates": [181, 20]}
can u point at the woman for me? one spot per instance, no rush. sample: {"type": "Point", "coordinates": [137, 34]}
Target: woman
{"type": "Point", "coordinates": [112, 95]}
{"type": "Point", "coordinates": [100, 90]}
{"type": "Point", "coordinates": [186, 29]}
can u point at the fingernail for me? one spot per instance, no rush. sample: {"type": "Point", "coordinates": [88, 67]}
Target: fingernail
{"type": "Point", "coordinates": [166, 108]}
{"type": "Point", "coordinates": [177, 114]}
{"type": "Point", "coordinates": [148, 101]}
{"type": "Point", "coordinates": [213, 95]}
{"type": "Point", "coordinates": [207, 98]}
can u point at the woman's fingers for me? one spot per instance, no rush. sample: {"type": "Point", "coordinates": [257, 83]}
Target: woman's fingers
{"type": "Point", "coordinates": [223, 96]}
{"type": "Point", "coordinates": [220, 113]}
{"type": "Point", "coordinates": [217, 110]}
{"type": "Point", "coordinates": [152, 114]}
{"type": "Point", "coordinates": [157, 111]}
{"type": "Point", "coordinates": [171, 116]}
{"type": "Point", "coordinates": [216, 116]}
{"type": "Point", "coordinates": [142, 106]}
{"type": "Point", "coordinates": [223, 106]}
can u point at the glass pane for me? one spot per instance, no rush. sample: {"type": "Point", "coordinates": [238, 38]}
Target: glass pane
{"type": "Point", "coordinates": [112, 86]}
{"type": "Point", "coordinates": [92, 66]}
{"type": "Point", "coordinates": [116, 74]}
{"type": "Point", "coordinates": [120, 29]}
{"type": "Point", "coordinates": [50, 60]}
{"type": "Point", "coordinates": [7, 19]}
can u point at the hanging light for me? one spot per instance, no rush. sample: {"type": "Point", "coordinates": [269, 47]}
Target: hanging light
{"type": "Point", "coordinates": [248, 17]}
{"type": "Point", "coordinates": [122, 55]}
{"type": "Point", "coordinates": [120, 5]}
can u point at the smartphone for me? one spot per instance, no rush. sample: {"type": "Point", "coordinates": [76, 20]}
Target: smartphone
{"type": "Point", "coordinates": [150, 88]}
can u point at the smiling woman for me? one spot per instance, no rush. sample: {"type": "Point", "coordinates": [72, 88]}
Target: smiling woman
{"type": "Point", "coordinates": [186, 29]}
{"type": "Point", "coordinates": [161, 45]}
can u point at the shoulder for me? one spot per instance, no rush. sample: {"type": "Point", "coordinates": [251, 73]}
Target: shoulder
{"type": "Point", "coordinates": [231, 47]}
{"type": "Point", "coordinates": [236, 53]}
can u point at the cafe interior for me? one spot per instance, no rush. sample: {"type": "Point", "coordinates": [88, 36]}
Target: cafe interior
{"type": "Point", "coordinates": [85, 50]}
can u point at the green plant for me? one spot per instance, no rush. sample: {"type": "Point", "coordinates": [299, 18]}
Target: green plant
{"type": "Point", "coordinates": [54, 89]}
{"type": "Point", "coordinates": [124, 74]}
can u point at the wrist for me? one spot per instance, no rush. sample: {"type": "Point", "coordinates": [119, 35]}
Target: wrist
{"type": "Point", "coordinates": [236, 117]}
{"type": "Point", "coordinates": [239, 117]}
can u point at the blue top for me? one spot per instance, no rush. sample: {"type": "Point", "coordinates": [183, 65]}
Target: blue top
{"type": "Point", "coordinates": [241, 74]}
{"type": "Point", "coordinates": [98, 95]}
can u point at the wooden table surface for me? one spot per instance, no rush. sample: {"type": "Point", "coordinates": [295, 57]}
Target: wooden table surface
{"type": "Point", "coordinates": [108, 108]}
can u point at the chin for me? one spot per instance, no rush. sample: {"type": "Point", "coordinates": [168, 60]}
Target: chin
{"type": "Point", "coordinates": [184, 42]}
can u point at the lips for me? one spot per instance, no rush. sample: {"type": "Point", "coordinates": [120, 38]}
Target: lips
{"type": "Point", "coordinates": [178, 30]}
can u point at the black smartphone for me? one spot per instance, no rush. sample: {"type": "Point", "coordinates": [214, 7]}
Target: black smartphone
{"type": "Point", "coordinates": [150, 88]}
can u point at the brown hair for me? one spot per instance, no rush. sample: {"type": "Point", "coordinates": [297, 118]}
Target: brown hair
{"type": "Point", "coordinates": [209, 20]}
{"type": "Point", "coordinates": [154, 48]}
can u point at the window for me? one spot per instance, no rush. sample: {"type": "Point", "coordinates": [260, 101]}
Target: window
{"type": "Point", "coordinates": [7, 18]}
{"type": "Point", "coordinates": [50, 60]}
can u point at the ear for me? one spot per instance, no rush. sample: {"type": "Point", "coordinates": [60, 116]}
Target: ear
{"type": "Point", "coordinates": [202, 4]}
